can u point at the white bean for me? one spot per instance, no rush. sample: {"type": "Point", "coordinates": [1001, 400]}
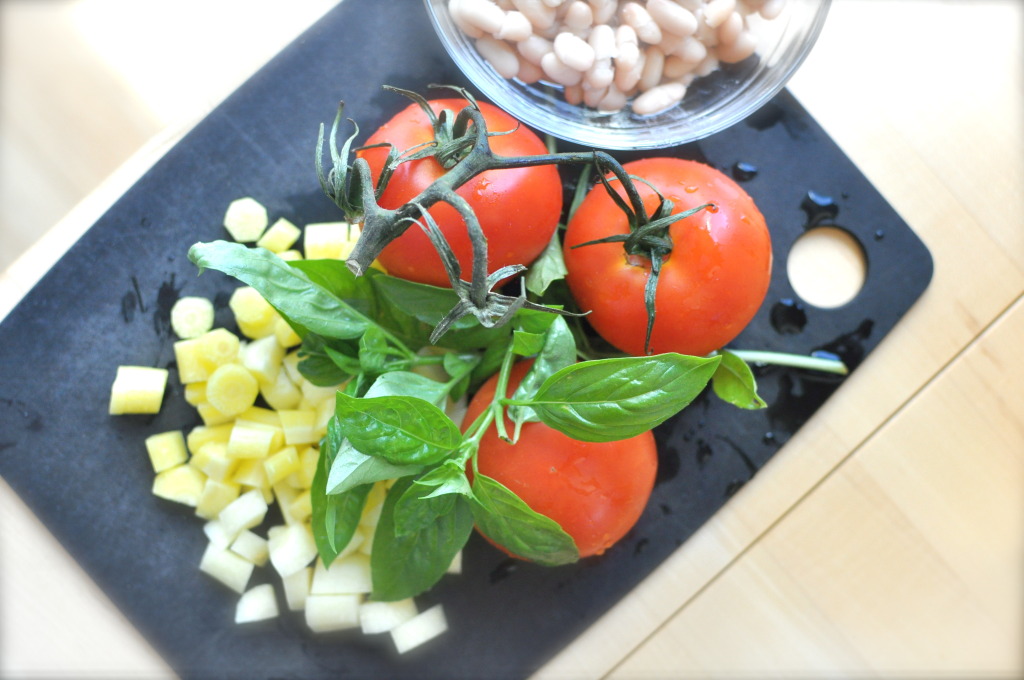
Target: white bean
{"type": "Point", "coordinates": [730, 29]}
{"type": "Point", "coordinates": [659, 98]}
{"type": "Point", "coordinates": [718, 11]}
{"type": "Point", "coordinates": [559, 72]}
{"type": "Point", "coordinates": [602, 39]}
{"type": "Point", "coordinates": [553, 3]}
{"type": "Point", "coordinates": [534, 48]}
{"type": "Point", "coordinates": [738, 50]}
{"type": "Point", "coordinates": [707, 66]}
{"type": "Point", "coordinates": [573, 51]}
{"type": "Point", "coordinates": [579, 17]}
{"type": "Point", "coordinates": [614, 100]}
{"type": "Point", "coordinates": [601, 74]}
{"type": "Point", "coordinates": [483, 14]}
{"type": "Point", "coordinates": [675, 67]}
{"type": "Point", "coordinates": [673, 18]}
{"type": "Point", "coordinates": [692, 51]}
{"type": "Point", "coordinates": [500, 55]}
{"type": "Point", "coordinates": [772, 9]}
{"type": "Point", "coordinates": [529, 73]}
{"type": "Point", "coordinates": [633, 14]}
{"type": "Point", "coordinates": [603, 10]}
{"type": "Point", "coordinates": [592, 96]}
{"type": "Point", "coordinates": [539, 14]}
{"type": "Point", "coordinates": [629, 66]}
{"type": "Point", "coordinates": [455, 10]}
{"type": "Point", "coordinates": [573, 95]}
{"type": "Point", "coordinates": [516, 27]}
{"type": "Point", "coordinates": [654, 65]}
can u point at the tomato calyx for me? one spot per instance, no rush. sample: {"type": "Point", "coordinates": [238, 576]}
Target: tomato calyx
{"type": "Point", "coordinates": [461, 145]}
{"type": "Point", "coordinates": [648, 239]}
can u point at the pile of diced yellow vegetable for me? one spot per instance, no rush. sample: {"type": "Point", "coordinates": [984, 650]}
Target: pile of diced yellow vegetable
{"type": "Point", "coordinates": [245, 457]}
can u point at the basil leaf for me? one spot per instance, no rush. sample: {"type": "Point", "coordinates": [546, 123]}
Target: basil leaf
{"type": "Point", "coordinates": [612, 399]}
{"type": "Point", "coordinates": [406, 565]}
{"type": "Point", "coordinates": [735, 384]}
{"type": "Point", "coordinates": [338, 280]}
{"type": "Point", "coordinates": [430, 496]}
{"type": "Point", "coordinates": [460, 368]}
{"type": "Point", "coordinates": [351, 469]}
{"type": "Point", "coordinates": [321, 365]}
{"type": "Point", "coordinates": [401, 430]}
{"type": "Point", "coordinates": [547, 268]}
{"type": "Point", "coordinates": [526, 344]}
{"type": "Point", "coordinates": [504, 518]}
{"type": "Point", "coordinates": [335, 517]}
{"type": "Point", "coordinates": [409, 384]}
{"type": "Point", "coordinates": [373, 351]}
{"type": "Point", "coordinates": [288, 289]}
{"type": "Point", "coordinates": [557, 352]}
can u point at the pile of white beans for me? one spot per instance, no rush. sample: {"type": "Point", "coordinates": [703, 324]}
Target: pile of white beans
{"type": "Point", "coordinates": [609, 54]}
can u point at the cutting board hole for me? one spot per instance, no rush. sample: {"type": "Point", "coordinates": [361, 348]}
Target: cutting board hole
{"type": "Point", "coordinates": [827, 266]}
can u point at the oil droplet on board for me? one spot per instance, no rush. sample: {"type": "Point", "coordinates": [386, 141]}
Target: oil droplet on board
{"type": "Point", "coordinates": [743, 172]}
{"type": "Point", "coordinates": [819, 208]}
{"type": "Point", "coordinates": [879, 234]}
{"type": "Point", "coordinates": [788, 316]}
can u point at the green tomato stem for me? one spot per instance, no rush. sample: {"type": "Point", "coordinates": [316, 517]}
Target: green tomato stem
{"type": "Point", "coordinates": [792, 360]}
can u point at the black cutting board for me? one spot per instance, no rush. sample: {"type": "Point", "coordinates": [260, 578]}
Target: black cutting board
{"type": "Point", "coordinates": [86, 474]}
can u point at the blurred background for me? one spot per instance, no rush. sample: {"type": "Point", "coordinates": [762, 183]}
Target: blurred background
{"type": "Point", "coordinates": [85, 84]}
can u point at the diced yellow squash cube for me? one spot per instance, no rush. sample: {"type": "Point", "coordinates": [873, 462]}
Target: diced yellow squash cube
{"type": "Point", "coordinates": [263, 358]}
{"type": "Point", "coordinates": [328, 613]}
{"type": "Point", "coordinates": [281, 464]}
{"type": "Point", "coordinates": [296, 588]}
{"type": "Point", "coordinates": [137, 389]}
{"type": "Point", "coordinates": [227, 567]}
{"type": "Point", "coordinates": [284, 495]}
{"type": "Point", "coordinates": [324, 413]}
{"type": "Point", "coordinates": [202, 434]}
{"type": "Point", "coordinates": [290, 255]}
{"type": "Point", "coordinates": [246, 219]}
{"type": "Point", "coordinates": [316, 395]}
{"type": "Point", "coordinates": [257, 604]}
{"type": "Point", "coordinates": [188, 355]}
{"type": "Point", "coordinates": [285, 334]}
{"type": "Point", "coordinates": [232, 389]}
{"type": "Point", "coordinates": [292, 549]}
{"type": "Point", "coordinates": [299, 426]}
{"type": "Point", "coordinates": [282, 393]}
{"type": "Point", "coordinates": [291, 365]}
{"type": "Point", "coordinates": [249, 472]}
{"type": "Point", "coordinates": [252, 547]}
{"type": "Point", "coordinates": [301, 509]}
{"type": "Point", "coordinates": [329, 240]}
{"type": "Point", "coordinates": [254, 440]}
{"type": "Point", "coordinates": [166, 450]}
{"type": "Point", "coordinates": [218, 347]}
{"type": "Point", "coordinates": [181, 484]}
{"type": "Point", "coordinates": [302, 478]}
{"type": "Point", "coordinates": [215, 497]}
{"type": "Point", "coordinates": [211, 416]}
{"type": "Point", "coordinates": [381, 617]}
{"type": "Point", "coordinates": [195, 393]}
{"type": "Point", "coordinates": [254, 315]}
{"type": "Point", "coordinates": [191, 317]}
{"type": "Point", "coordinates": [347, 575]}
{"type": "Point", "coordinates": [212, 458]}
{"type": "Point", "coordinates": [421, 628]}
{"type": "Point", "coordinates": [281, 236]}
{"type": "Point", "coordinates": [245, 512]}
{"type": "Point", "coordinates": [258, 414]}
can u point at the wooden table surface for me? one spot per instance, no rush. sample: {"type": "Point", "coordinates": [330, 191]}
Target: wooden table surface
{"type": "Point", "coordinates": [886, 539]}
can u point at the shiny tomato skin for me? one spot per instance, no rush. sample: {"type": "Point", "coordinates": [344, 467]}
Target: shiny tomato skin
{"type": "Point", "coordinates": [712, 283]}
{"type": "Point", "coordinates": [595, 491]}
{"type": "Point", "coordinates": [518, 209]}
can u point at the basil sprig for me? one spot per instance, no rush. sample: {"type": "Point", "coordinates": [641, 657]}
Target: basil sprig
{"type": "Point", "coordinates": [370, 334]}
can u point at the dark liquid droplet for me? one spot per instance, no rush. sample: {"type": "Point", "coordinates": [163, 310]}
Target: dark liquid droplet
{"type": "Point", "coordinates": [849, 347]}
{"type": "Point", "coordinates": [640, 545]}
{"type": "Point", "coordinates": [744, 172]}
{"type": "Point", "coordinates": [788, 316]}
{"type": "Point", "coordinates": [504, 570]}
{"type": "Point", "coordinates": [818, 208]}
{"type": "Point", "coordinates": [768, 438]}
{"type": "Point", "coordinates": [879, 234]}
{"type": "Point", "coordinates": [704, 453]}
{"type": "Point", "coordinates": [734, 486]}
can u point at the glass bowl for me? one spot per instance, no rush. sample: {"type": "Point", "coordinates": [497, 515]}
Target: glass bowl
{"type": "Point", "coordinates": [712, 103]}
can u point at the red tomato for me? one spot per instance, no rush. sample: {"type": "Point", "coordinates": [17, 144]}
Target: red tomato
{"type": "Point", "coordinates": [711, 284]}
{"type": "Point", "coordinates": [595, 491]}
{"type": "Point", "coordinates": [518, 208]}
